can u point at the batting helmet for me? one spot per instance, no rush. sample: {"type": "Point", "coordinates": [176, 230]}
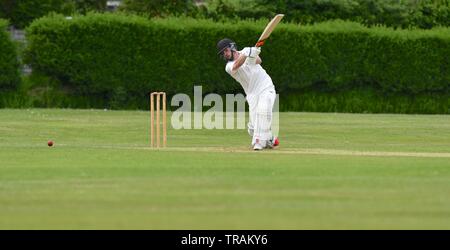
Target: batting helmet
{"type": "Point", "coordinates": [225, 43]}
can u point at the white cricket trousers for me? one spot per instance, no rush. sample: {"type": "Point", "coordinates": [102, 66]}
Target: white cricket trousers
{"type": "Point", "coordinates": [261, 108]}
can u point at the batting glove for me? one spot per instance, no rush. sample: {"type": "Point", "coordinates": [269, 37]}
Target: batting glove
{"type": "Point", "coordinates": [255, 51]}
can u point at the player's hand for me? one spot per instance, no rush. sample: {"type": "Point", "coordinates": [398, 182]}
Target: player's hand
{"type": "Point", "coordinates": [255, 51]}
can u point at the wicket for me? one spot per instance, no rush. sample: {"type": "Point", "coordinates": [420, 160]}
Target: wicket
{"type": "Point", "coordinates": [155, 138]}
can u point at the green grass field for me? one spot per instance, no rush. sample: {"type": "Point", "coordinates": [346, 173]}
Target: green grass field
{"type": "Point", "coordinates": [332, 171]}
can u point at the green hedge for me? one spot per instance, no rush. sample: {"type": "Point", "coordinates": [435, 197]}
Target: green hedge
{"type": "Point", "coordinates": [9, 65]}
{"type": "Point", "coordinates": [366, 101]}
{"type": "Point", "coordinates": [120, 58]}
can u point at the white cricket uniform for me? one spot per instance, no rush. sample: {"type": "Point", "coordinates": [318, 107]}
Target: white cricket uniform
{"type": "Point", "coordinates": [260, 95]}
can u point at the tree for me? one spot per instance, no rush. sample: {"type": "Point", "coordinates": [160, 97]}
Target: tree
{"type": "Point", "coordinates": [20, 13]}
{"type": "Point", "coordinates": [393, 13]}
{"type": "Point", "coordinates": [160, 8]}
{"type": "Point", "coordinates": [84, 6]}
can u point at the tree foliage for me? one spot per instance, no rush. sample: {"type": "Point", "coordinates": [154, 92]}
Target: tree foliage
{"type": "Point", "coordinates": [392, 13]}
{"type": "Point", "coordinates": [20, 13]}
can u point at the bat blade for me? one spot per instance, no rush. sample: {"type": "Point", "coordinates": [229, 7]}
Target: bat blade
{"type": "Point", "coordinates": [268, 30]}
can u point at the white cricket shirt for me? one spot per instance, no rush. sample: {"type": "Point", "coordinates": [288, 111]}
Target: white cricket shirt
{"type": "Point", "coordinates": [252, 77]}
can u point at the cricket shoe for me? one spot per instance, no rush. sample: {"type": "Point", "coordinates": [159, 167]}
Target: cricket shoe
{"type": "Point", "coordinates": [257, 145]}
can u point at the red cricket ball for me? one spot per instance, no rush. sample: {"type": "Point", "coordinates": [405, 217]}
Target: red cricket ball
{"type": "Point", "coordinates": [50, 143]}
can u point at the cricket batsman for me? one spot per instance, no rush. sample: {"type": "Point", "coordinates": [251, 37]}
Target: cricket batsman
{"type": "Point", "coordinates": [245, 67]}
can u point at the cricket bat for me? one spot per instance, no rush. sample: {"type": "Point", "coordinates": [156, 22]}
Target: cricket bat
{"type": "Point", "coordinates": [268, 30]}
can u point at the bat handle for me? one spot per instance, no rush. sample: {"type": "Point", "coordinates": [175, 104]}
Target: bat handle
{"type": "Point", "coordinates": [260, 43]}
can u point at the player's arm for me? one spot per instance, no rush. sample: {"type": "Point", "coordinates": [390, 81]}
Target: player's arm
{"type": "Point", "coordinates": [238, 63]}
{"type": "Point", "coordinates": [254, 60]}
{"type": "Point", "coordinates": [251, 53]}
{"type": "Point", "coordinates": [258, 60]}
